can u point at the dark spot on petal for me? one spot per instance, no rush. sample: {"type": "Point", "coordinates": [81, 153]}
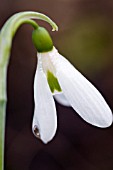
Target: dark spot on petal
{"type": "Point", "coordinates": [36, 132]}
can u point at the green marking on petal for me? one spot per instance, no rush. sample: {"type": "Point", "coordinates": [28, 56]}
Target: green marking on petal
{"type": "Point", "coordinates": [53, 82]}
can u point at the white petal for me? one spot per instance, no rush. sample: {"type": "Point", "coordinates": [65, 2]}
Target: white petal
{"type": "Point", "coordinates": [60, 98]}
{"type": "Point", "coordinates": [81, 94]}
{"type": "Point", "coordinates": [45, 112]}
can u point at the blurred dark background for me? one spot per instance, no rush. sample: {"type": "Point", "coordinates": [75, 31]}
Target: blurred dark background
{"type": "Point", "coordinates": [85, 37]}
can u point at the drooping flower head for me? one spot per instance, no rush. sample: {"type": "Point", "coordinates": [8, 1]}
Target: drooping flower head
{"type": "Point", "coordinates": [56, 78]}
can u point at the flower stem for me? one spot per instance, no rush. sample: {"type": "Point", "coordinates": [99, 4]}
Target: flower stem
{"type": "Point", "coordinates": [2, 132]}
{"type": "Point", "coordinates": [2, 114]}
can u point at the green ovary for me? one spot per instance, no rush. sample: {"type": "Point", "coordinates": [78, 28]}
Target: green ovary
{"type": "Point", "coordinates": [53, 82]}
{"type": "Point", "coordinates": [42, 40]}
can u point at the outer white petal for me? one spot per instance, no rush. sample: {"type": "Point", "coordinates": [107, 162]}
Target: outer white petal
{"type": "Point", "coordinates": [45, 112]}
{"type": "Point", "coordinates": [81, 94]}
{"type": "Point", "coordinates": [60, 98]}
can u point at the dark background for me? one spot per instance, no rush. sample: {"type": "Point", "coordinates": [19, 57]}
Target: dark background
{"type": "Point", "coordinates": [85, 37]}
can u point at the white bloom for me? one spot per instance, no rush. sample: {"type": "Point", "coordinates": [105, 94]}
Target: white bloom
{"type": "Point", "coordinates": [55, 76]}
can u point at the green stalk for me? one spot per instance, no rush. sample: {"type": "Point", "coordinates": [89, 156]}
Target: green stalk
{"type": "Point", "coordinates": [2, 132]}
{"type": "Point", "coordinates": [2, 113]}
{"type": "Point", "coordinates": [6, 36]}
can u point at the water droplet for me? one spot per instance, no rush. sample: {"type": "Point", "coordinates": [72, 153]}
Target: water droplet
{"type": "Point", "coordinates": [36, 132]}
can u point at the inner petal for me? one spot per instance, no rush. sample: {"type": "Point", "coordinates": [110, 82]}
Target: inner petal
{"type": "Point", "coordinates": [60, 98]}
{"type": "Point", "coordinates": [50, 72]}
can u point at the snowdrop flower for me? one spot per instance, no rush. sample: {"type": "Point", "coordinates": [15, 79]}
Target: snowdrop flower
{"type": "Point", "coordinates": [7, 33]}
{"type": "Point", "coordinates": [57, 78]}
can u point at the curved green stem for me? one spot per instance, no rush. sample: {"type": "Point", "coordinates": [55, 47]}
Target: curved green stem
{"type": "Point", "coordinates": [8, 31]}
{"type": "Point", "coordinates": [6, 36]}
